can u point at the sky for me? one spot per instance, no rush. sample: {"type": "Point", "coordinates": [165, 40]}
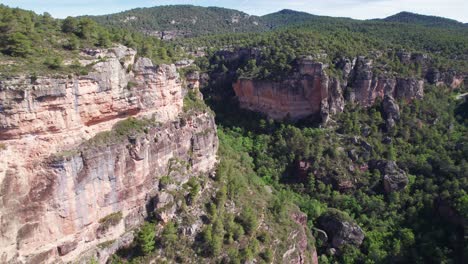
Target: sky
{"type": "Point", "coordinates": [358, 9]}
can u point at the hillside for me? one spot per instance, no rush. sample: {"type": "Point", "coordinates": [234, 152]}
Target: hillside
{"type": "Point", "coordinates": [182, 20]}
{"type": "Point", "coordinates": [286, 17]}
{"type": "Point", "coordinates": [168, 22]}
{"type": "Point", "coordinates": [430, 21]}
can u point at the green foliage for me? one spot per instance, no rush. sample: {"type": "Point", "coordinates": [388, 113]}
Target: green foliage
{"type": "Point", "coordinates": [111, 219]}
{"type": "Point", "coordinates": [146, 238]}
{"type": "Point", "coordinates": [249, 220]}
{"type": "Point", "coordinates": [183, 19]}
{"type": "Point", "coordinates": [27, 38]}
{"type": "Point", "coordinates": [194, 189]}
{"type": "Point", "coordinates": [121, 130]}
{"type": "Point", "coordinates": [53, 63]}
{"type": "Point", "coordinates": [18, 44]}
{"type": "Point", "coordinates": [193, 103]}
{"type": "Point", "coordinates": [169, 234]}
{"type": "Point", "coordinates": [402, 225]}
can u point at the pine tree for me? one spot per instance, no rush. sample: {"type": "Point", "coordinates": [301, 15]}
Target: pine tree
{"type": "Point", "coordinates": [146, 238]}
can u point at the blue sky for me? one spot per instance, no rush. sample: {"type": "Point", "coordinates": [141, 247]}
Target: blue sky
{"type": "Point", "coordinates": [360, 9]}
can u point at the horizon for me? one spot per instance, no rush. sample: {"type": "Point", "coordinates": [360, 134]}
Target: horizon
{"type": "Point", "coordinates": [356, 9]}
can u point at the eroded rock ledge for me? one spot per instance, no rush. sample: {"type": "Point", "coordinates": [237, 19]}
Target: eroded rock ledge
{"type": "Point", "coordinates": [310, 91]}
{"type": "Point", "coordinates": [53, 209]}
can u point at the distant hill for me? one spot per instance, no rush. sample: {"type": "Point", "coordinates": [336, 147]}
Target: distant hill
{"type": "Point", "coordinates": [168, 22]}
{"type": "Point", "coordinates": [286, 17]}
{"type": "Point", "coordinates": [183, 20]}
{"type": "Point", "coordinates": [430, 21]}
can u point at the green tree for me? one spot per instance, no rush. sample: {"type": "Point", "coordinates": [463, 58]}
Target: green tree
{"type": "Point", "coordinates": [19, 45]}
{"type": "Point", "coordinates": [70, 25]}
{"type": "Point", "coordinates": [146, 238]}
{"type": "Point", "coordinates": [169, 234]}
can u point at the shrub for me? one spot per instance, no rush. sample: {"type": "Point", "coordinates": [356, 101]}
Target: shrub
{"type": "Point", "coordinates": [53, 63]}
{"type": "Point", "coordinates": [193, 103]}
{"type": "Point", "coordinates": [111, 220]}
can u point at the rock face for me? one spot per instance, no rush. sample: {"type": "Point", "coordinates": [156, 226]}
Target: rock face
{"type": "Point", "coordinates": [54, 209]}
{"type": "Point", "coordinates": [391, 111]}
{"type": "Point", "coordinates": [311, 91]}
{"type": "Point", "coordinates": [394, 178]}
{"type": "Point", "coordinates": [340, 231]}
{"type": "Point", "coordinates": [307, 92]}
{"type": "Point", "coordinates": [300, 251]}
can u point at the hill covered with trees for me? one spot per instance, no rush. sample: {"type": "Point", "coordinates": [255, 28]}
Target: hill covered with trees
{"type": "Point", "coordinates": [430, 21]}
{"type": "Point", "coordinates": [174, 21]}
{"type": "Point", "coordinates": [183, 20]}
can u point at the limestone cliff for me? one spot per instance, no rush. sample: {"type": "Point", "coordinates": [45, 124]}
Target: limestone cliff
{"type": "Point", "coordinates": [310, 91]}
{"type": "Point", "coordinates": [60, 196]}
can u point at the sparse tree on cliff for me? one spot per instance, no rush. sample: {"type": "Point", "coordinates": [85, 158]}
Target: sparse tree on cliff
{"type": "Point", "coordinates": [146, 238]}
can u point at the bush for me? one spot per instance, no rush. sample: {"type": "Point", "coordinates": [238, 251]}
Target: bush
{"type": "Point", "coordinates": [112, 219]}
{"type": "Point", "coordinates": [53, 63]}
{"type": "Point", "coordinates": [193, 103]}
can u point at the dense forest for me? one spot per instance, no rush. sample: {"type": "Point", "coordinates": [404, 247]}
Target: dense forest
{"type": "Point", "coordinates": [401, 227]}
{"type": "Point", "coordinates": [262, 161]}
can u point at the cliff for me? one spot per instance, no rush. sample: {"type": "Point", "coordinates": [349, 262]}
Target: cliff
{"type": "Point", "coordinates": [311, 91]}
{"type": "Point", "coordinates": [65, 184]}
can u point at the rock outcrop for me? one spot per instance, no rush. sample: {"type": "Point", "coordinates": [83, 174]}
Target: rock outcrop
{"type": "Point", "coordinates": [391, 111]}
{"type": "Point", "coordinates": [300, 251]}
{"type": "Point", "coordinates": [310, 91]}
{"type": "Point", "coordinates": [340, 230]}
{"type": "Point", "coordinates": [60, 196]}
{"type": "Point", "coordinates": [394, 178]}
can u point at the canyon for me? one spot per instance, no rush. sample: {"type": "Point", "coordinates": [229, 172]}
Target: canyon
{"type": "Point", "coordinates": [66, 184]}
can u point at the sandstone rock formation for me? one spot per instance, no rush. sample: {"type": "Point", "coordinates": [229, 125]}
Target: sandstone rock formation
{"type": "Point", "coordinates": [394, 178]}
{"type": "Point", "coordinates": [299, 251]}
{"type": "Point", "coordinates": [59, 196]}
{"type": "Point", "coordinates": [391, 111]}
{"type": "Point", "coordinates": [340, 230]}
{"type": "Point", "coordinates": [311, 91]}
{"type": "Point", "coordinates": [305, 93]}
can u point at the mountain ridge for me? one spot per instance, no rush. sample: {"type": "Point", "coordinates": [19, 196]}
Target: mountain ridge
{"type": "Point", "coordinates": [425, 20]}
{"type": "Point", "coordinates": [173, 21]}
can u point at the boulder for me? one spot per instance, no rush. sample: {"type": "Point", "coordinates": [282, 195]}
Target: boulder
{"type": "Point", "coordinates": [366, 145]}
{"type": "Point", "coordinates": [387, 140]}
{"type": "Point", "coordinates": [394, 178]}
{"type": "Point", "coordinates": [352, 154]}
{"type": "Point", "coordinates": [391, 111]}
{"type": "Point", "coordinates": [67, 247]}
{"type": "Point", "coordinates": [341, 229]}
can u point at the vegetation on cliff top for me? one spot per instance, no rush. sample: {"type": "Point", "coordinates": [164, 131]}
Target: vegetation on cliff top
{"type": "Point", "coordinates": [40, 44]}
